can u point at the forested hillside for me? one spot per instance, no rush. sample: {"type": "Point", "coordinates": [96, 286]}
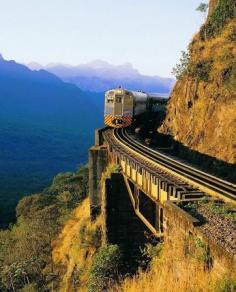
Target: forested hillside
{"type": "Point", "coordinates": [46, 127]}
{"type": "Point", "coordinates": [26, 248]}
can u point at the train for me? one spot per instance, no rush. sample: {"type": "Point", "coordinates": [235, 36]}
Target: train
{"type": "Point", "coordinates": [122, 106]}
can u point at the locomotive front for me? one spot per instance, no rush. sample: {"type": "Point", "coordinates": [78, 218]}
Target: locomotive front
{"type": "Point", "coordinates": [119, 105]}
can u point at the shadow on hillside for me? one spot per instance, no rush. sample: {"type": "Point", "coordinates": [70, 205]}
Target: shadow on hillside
{"type": "Point", "coordinates": [205, 162]}
{"type": "Point", "coordinates": [212, 165]}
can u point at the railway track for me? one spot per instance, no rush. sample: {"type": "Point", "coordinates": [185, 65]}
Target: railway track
{"type": "Point", "coordinates": [204, 181]}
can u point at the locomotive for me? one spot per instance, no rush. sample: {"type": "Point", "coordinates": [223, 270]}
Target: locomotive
{"type": "Point", "coordinates": [121, 106]}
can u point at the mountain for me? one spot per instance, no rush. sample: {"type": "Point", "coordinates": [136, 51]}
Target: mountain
{"type": "Point", "coordinates": [46, 126]}
{"type": "Point", "coordinates": [100, 76]}
{"type": "Point", "coordinates": [34, 66]}
{"type": "Point", "coordinates": [205, 95]}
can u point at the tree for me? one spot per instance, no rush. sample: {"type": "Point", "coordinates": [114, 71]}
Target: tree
{"type": "Point", "coordinates": [203, 7]}
{"type": "Point", "coordinates": [182, 69]}
{"type": "Point", "coordinates": [26, 261]}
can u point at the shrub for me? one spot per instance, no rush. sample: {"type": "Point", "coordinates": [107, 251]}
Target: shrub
{"type": "Point", "coordinates": [90, 237]}
{"type": "Point", "coordinates": [199, 250]}
{"type": "Point", "coordinates": [26, 249]}
{"type": "Point", "coordinates": [225, 210]}
{"type": "Point", "coordinates": [105, 268]}
{"type": "Point", "coordinates": [30, 288]}
{"type": "Point", "coordinates": [232, 36]}
{"type": "Point", "coordinates": [226, 9]}
{"type": "Point", "coordinates": [201, 70]}
{"type": "Point", "coordinates": [152, 251]}
{"type": "Point", "coordinates": [182, 69]}
{"type": "Point", "coordinates": [230, 80]}
{"type": "Point", "coordinates": [225, 285]}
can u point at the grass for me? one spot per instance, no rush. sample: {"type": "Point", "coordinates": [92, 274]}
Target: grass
{"type": "Point", "coordinates": [206, 99]}
{"type": "Point", "coordinates": [175, 270]}
{"type": "Point", "coordinates": [225, 210]}
{"type": "Point", "coordinates": [105, 268]}
{"type": "Point", "coordinates": [75, 247]}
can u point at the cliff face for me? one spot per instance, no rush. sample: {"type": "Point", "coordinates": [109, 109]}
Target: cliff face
{"type": "Point", "coordinates": [201, 112]}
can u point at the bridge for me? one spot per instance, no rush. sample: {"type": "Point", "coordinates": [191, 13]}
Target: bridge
{"type": "Point", "coordinates": [155, 183]}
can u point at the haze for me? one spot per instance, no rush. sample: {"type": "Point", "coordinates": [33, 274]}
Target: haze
{"type": "Point", "coordinates": [149, 34]}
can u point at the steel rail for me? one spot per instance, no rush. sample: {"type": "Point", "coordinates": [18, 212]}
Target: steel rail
{"type": "Point", "coordinates": [217, 185]}
{"type": "Point", "coordinates": [233, 186]}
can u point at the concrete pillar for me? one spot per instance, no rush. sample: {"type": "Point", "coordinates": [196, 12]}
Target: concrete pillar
{"type": "Point", "coordinates": [157, 218]}
{"type": "Point", "coordinates": [122, 226]}
{"type": "Point", "coordinates": [98, 137]}
{"type": "Point", "coordinates": [98, 160]}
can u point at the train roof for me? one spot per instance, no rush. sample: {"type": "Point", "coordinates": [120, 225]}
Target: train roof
{"type": "Point", "coordinates": [159, 95]}
{"type": "Point", "coordinates": [140, 93]}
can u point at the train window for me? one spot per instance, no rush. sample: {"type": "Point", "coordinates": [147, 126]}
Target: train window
{"type": "Point", "coordinates": [109, 99]}
{"type": "Point", "coordinates": [118, 99]}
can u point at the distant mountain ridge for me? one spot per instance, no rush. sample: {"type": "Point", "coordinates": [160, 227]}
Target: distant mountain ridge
{"type": "Point", "coordinates": [41, 91]}
{"type": "Point", "coordinates": [100, 76]}
{"type": "Point", "coordinates": [12, 70]}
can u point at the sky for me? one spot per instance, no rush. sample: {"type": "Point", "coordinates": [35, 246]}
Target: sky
{"type": "Point", "coordinates": [150, 34]}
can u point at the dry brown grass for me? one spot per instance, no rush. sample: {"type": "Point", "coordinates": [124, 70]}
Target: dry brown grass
{"type": "Point", "coordinates": [175, 271]}
{"type": "Point", "coordinates": [73, 253]}
{"type": "Point", "coordinates": [74, 248]}
{"type": "Point", "coordinates": [209, 123]}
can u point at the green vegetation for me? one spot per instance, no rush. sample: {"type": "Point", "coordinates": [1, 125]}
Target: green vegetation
{"type": "Point", "coordinates": [224, 210]}
{"type": "Point", "coordinates": [207, 86]}
{"type": "Point", "coordinates": [229, 76]}
{"type": "Point", "coordinates": [105, 268]}
{"type": "Point", "coordinates": [152, 251]}
{"type": "Point", "coordinates": [224, 285]}
{"type": "Point", "coordinates": [25, 248]}
{"type": "Point", "coordinates": [199, 250]}
{"type": "Point", "coordinates": [90, 237]}
{"type": "Point", "coordinates": [31, 157]}
{"type": "Point", "coordinates": [202, 7]}
{"type": "Point", "coordinates": [199, 71]}
{"type": "Point", "coordinates": [182, 69]}
{"type": "Point", "coordinates": [226, 9]}
{"type": "Point", "coordinates": [184, 264]}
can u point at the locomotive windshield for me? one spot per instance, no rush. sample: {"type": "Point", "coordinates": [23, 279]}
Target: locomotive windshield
{"type": "Point", "coordinates": [110, 99]}
{"type": "Point", "coordinates": [109, 103]}
{"type": "Point", "coordinates": [118, 98]}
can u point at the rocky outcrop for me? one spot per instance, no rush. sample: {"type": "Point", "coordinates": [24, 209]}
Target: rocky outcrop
{"type": "Point", "coordinates": [201, 112]}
